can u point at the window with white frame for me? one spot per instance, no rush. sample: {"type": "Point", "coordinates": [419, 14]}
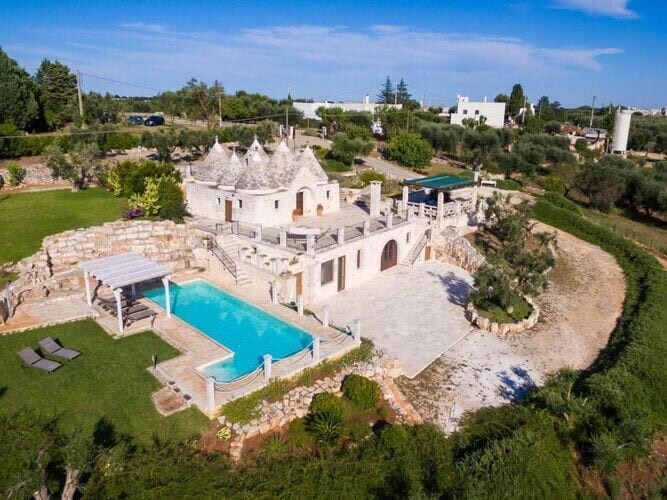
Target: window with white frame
{"type": "Point", "coordinates": [327, 272]}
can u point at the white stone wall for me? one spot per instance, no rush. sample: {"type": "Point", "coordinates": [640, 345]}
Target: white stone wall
{"type": "Point", "coordinates": [260, 208]}
{"type": "Point", "coordinates": [494, 112]}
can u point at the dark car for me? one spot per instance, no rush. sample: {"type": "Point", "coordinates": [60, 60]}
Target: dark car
{"type": "Point", "coordinates": [135, 120]}
{"type": "Point", "coordinates": [154, 121]}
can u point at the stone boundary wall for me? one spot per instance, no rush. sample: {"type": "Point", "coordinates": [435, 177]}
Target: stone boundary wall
{"type": "Point", "coordinates": [54, 268]}
{"type": "Point", "coordinates": [37, 174]}
{"type": "Point", "coordinates": [503, 328]}
{"type": "Point", "coordinates": [295, 403]}
{"type": "Point", "coordinates": [455, 249]}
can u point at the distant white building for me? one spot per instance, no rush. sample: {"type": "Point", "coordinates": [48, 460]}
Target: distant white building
{"type": "Point", "coordinates": [492, 112]}
{"type": "Point", "coordinates": [309, 109]}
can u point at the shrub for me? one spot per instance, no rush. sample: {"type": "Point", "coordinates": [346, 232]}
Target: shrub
{"type": "Point", "coordinates": [337, 166]}
{"type": "Point", "coordinates": [326, 402]}
{"type": "Point", "coordinates": [410, 150]}
{"type": "Point", "coordinates": [327, 428]}
{"type": "Point", "coordinates": [492, 288]}
{"type": "Point", "coordinates": [508, 184]}
{"type": "Point", "coordinates": [345, 148]}
{"type": "Point", "coordinates": [275, 447]}
{"type": "Point", "coordinates": [553, 184]}
{"type": "Point", "coordinates": [15, 173]}
{"type": "Point", "coordinates": [367, 176]}
{"type": "Point", "coordinates": [363, 392]}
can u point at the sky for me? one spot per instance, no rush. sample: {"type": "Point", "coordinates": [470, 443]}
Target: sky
{"type": "Point", "coordinates": [569, 50]}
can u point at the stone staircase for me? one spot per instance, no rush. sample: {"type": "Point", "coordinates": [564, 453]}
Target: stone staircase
{"type": "Point", "coordinates": [229, 251]}
{"type": "Point", "coordinates": [410, 259]}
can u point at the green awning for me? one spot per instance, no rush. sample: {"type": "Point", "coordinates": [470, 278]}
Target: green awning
{"type": "Point", "coordinates": [441, 182]}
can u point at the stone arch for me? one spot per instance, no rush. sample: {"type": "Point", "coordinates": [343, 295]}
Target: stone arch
{"type": "Point", "coordinates": [389, 257]}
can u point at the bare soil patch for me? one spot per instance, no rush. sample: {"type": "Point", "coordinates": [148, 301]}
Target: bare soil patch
{"type": "Point", "coordinates": [579, 311]}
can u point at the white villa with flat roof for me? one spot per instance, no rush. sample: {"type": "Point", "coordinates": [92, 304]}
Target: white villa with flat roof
{"type": "Point", "coordinates": [279, 219]}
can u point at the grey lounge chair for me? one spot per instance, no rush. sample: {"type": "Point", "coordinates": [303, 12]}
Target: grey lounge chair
{"type": "Point", "coordinates": [147, 313]}
{"type": "Point", "coordinates": [53, 348]}
{"type": "Point", "coordinates": [33, 360]}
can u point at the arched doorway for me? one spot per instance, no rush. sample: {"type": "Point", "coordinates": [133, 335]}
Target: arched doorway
{"type": "Point", "coordinates": [389, 255]}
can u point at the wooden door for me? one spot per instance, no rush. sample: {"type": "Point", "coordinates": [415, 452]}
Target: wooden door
{"type": "Point", "coordinates": [228, 210]}
{"type": "Point", "coordinates": [427, 253]}
{"type": "Point", "coordinates": [389, 255]}
{"type": "Point", "coordinates": [299, 284]}
{"type": "Point", "coordinates": [299, 203]}
{"type": "Point", "coordinates": [341, 273]}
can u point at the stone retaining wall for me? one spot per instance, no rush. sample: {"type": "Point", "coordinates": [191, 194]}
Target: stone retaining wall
{"type": "Point", "coordinates": [54, 268]}
{"type": "Point", "coordinates": [295, 405]}
{"type": "Point", "coordinates": [455, 249]}
{"type": "Point", "coordinates": [503, 328]}
{"type": "Point", "coordinates": [37, 174]}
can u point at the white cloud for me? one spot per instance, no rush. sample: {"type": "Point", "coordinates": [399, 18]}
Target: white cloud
{"type": "Point", "coordinates": [317, 61]}
{"type": "Point", "coordinates": [612, 8]}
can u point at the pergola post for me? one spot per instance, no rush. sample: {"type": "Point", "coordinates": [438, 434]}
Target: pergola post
{"type": "Point", "coordinates": [167, 300]}
{"type": "Point", "coordinates": [89, 298]}
{"type": "Point", "coordinates": [119, 308]}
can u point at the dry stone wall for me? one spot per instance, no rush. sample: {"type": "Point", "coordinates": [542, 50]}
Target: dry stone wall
{"type": "Point", "coordinates": [54, 268]}
{"type": "Point", "coordinates": [455, 249]}
{"type": "Point", "coordinates": [36, 175]}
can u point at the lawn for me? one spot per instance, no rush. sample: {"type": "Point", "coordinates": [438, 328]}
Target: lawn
{"type": "Point", "coordinates": [495, 314]}
{"type": "Point", "coordinates": [109, 381]}
{"type": "Point", "coordinates": [648, 232]}
{"type": "Point", "coordinates": [26, 218]}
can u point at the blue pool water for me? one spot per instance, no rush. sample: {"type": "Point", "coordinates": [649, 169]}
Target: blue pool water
{"type": "Point", "coordinates": [244, 329]}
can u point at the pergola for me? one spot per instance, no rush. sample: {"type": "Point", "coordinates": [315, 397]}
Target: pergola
{"type": "Point", "coordinates": [126, 269]}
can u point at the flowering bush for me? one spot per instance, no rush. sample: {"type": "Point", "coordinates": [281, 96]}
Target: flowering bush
{"type": "Point", "coordinates": [224, 434]}
{"type": "Point", "coordinates": [135, 213]}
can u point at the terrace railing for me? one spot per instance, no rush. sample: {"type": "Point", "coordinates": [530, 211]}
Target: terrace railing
{"type": "Point", "coordinates": [226, 259]}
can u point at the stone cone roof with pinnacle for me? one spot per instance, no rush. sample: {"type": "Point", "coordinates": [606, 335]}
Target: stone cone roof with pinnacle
{"type": "Point", "coordinates": [214, 165]}
{"type": "Point", "coordinates": [232, 173]}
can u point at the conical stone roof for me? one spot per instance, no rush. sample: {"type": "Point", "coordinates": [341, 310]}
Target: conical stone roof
{"type": "Point", "coordinates": [214, 165]}
{"type": "Point", "coordinates": [232, 172]}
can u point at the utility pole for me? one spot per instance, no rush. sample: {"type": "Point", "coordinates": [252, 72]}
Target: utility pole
{"type": "Point", "coordinates": [590, 125]}
{"type": "Point", "coordinates": [78, 91]}
{"type": "Point", "coordinates": [395, 97]}
{"type": "Point", "coordinates": [219, 110]}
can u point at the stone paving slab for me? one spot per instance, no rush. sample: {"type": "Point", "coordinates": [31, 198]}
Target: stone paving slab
{"type": "Point", "coordinates": [414, 314]}
{"type": "Point", "coordinates": [46, 313]}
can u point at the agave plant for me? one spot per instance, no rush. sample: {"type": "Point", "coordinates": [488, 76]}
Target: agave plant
{"type": "Point", "coordinates": [326, 427]}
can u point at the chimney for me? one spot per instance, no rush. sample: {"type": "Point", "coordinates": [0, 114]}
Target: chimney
{"type": "Point", "coordinates": [376, 198]}
{"type": "Point", "coordinates": [367, 99]}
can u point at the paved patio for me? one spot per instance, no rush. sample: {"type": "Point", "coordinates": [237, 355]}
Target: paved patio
{"type": "Point", "coordinates": [412, 314]}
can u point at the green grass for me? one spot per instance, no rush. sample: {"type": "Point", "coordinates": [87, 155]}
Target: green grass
{"type": "Point", "coordinates": [508, 184]}
{"type": "Point", "coordinates": [26, 218]}
{"type": "Point", "coordinates": [439, 168]}
{"type": "Point", "coordinates": [109, 380]}
{"type": "Point", "coordinates": [648, 232]}
{"type": "Point", "coordinates": [497, 315]}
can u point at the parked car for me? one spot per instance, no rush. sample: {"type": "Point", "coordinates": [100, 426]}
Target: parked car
{"type": "Point", "coordinates": [154, 121]}
{"type": "Point", "coordinates": [135, 120]}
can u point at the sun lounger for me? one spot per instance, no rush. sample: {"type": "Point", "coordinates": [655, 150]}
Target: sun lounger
{"type": "Point", "coordinates": [33, 360]}
{"type": "Point", "coordinates": [140, 315]}
{"type": "Point", "coordinates": [127, 310]}
{"type": "Point", "coordinates": [55, 349]}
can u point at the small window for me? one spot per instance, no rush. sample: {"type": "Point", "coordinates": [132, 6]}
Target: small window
{"type": "Point", "coordinates": [328, 194]}
{"type": "Point", "coordinates": [359, 259]}
{"type": "Point", "coordinates": [240, 203]}
{"type": "Point", "coordinates": [477, 112]}
{"type": "Point", "coordinates": [327, 272]}
{"type": "Point", "coordinates": [407, 238]}
{"type": "Point", "coordinates": [276, 204]}
{"type": "Point", "coordinates": [219, 201]}
{"type": "Point", "coordinates": [465, 111]}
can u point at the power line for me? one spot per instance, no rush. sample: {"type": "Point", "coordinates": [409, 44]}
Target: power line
{"type": "Point", "coordinates": [122, 82]}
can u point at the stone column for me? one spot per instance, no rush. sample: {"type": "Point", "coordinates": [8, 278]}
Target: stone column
{"type": "Point", "coordinates": [210, 394]}
{"type": "Point", "coordinates": [299, 305]}
{"type": "Point", "coordinates": [167, 300]}
{"type": "Point", "coordinates": [274, 293]}
{"type": "Point", "coordinates": [258, 232]}
{"type": "Point", "coordinates": [267, 367]}
{"type": "Point", "coordinates": [316, 349]}
{"type": "Point", "coordinates": [283, 239]}
{"type": "Point", "coordinates": [89, 298]}
{"type": "Point", "coordinates": [405, 197]}
{"type": "Point", "coordinates": [310, 245]}
{"type": "Point", "coordinates": [367, 227]}
{"type": "Point", "coordinates": [421, 210]}
{"type": "Point", "coordinates": [325, 317]}
{"type": "Point", "coordinates": [376, 198]}
{"type": "Point", "coordinates": [389, 219]}
{"type": "Point", "coordinates": [119, 309]}
{"type": "Point", "coordinates": [340, 235]}
{"type": "Point", "coordinates": [357, 331]}
{"type": "Point", "coordinates": [440, 210]}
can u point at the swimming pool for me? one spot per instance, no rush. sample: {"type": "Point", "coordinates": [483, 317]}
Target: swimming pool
{"type": "Point", "coordinates": [244, 329]}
